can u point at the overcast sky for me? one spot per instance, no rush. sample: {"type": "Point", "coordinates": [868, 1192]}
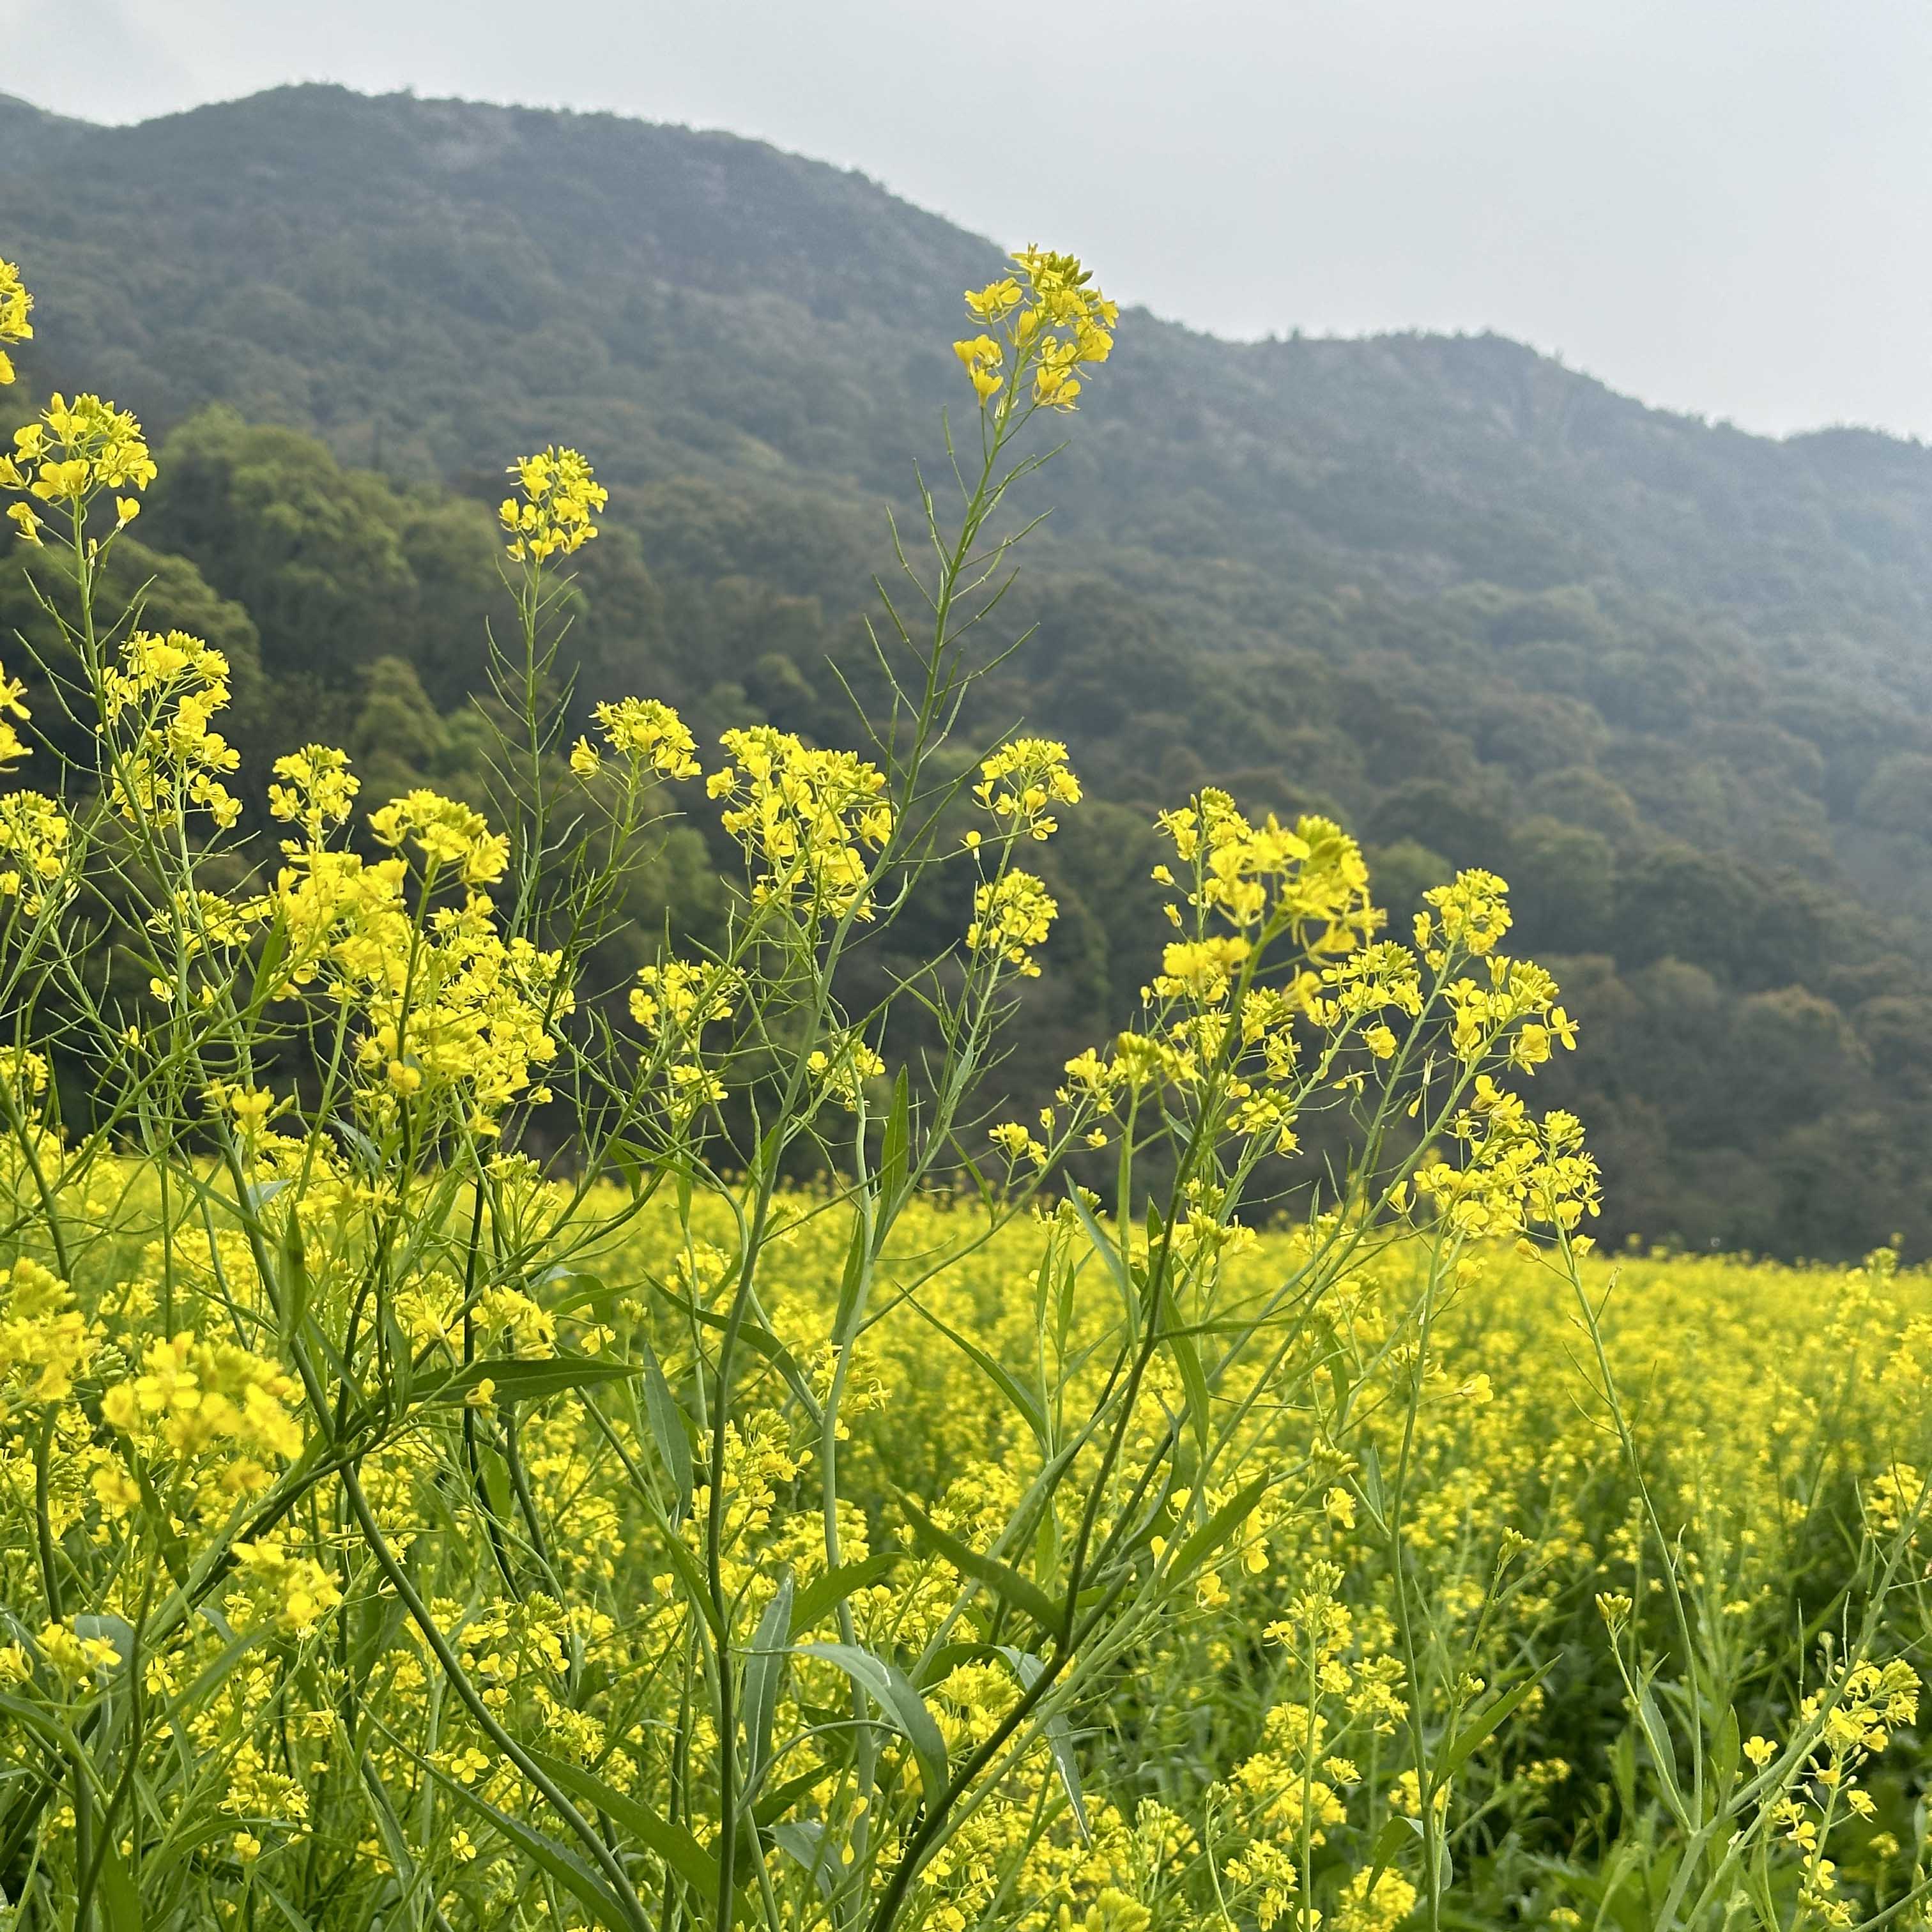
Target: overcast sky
{"type": "Point", "coordinates": [1723, 206]}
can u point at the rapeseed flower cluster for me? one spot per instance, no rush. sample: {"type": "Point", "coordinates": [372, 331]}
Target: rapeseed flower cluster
{"type": "Point", "coordinates": [314, 791]}
{"type": "Point", "coordinates": [646, 733]}
{"type": "Point", "coordinates": [677, 997]}
{"type": "Point", "coordinates": [559, 496]}
{"type": "Point", "coordinates": [806, 819]}
{"type": "Point", "coordinates": [1227, 1020]}
{"type": "Point", "coordinates": [1309, 879]}
{"type": "Point", "coordinates": [35, 837]}
{"type": "Point", "coordinates": [16, 305]}
{"type": "Point", "coordinates": [172, 686]}
{"type": "Point", "coordinates": [452, 838]}
{"type": "Point", "coordinates": [674, 1002]}
{"type": "Point", "coordinates": [1012, 914]}
{"type": "Point", "coordinates": [75, 450]}
{"type": "Point", "coordinates": [193, 1401]}
{"type": "Point", "coordinates": [45, 1342]}
{"type": "Point", "coordinates": [449, 1010]}
{"type": "Point", "coordinates": [1052, 323]}
{"type": "Point", "coordinates": [1022, 782]}
{"type": "Point", "coordinates": [1516, 1173]}
{"type": "Point", "coordinates": [13, 693]}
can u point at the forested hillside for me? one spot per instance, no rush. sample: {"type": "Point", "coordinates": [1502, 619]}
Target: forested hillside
{"type": "Point", "coordinates": [1672, 681]}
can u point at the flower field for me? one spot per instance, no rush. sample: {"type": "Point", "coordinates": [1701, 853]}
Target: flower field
{"type": "Point", "coordinates": [492, 1439]}
{"type": "Point", "coordinates": [1265, 1740]}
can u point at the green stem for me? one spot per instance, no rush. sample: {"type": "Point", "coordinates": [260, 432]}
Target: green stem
{"type": "Point", "coordinates": [458, 1680]}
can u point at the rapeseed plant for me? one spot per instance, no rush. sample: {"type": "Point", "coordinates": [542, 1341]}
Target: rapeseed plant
{"type": "Point", "coordinates": [402, 1528]}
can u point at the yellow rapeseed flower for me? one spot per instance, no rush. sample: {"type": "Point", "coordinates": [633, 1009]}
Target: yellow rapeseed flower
{"type": "Point", "coordinates": [13, 693]}
{"type": "Point", "coordinates": [73, 451]}
{"type": "Point", "coordinates": [173, 684]}
{"type": "Point", "coordinates": [34, 837]}
{"type": "Point", "coordinates": [804, 818]}
{"type": "Point", "coordinates": [647, 733]}
{"type": "Point", "coordinates": [1053, 321]}
{"type": "Point", "coordinates": [560, 496]}
{"type": "Point", "coordinates": [314, 790]}
{"type": "Point", "coordinates": [1012, 913]}
{"type": "Point", "coordinates": [16, 304]}
{"type": "Point", "coordinates": [451, 836]}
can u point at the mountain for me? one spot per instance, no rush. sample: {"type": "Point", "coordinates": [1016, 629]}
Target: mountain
{"type": "Point", "coordinates": [1672, 679]}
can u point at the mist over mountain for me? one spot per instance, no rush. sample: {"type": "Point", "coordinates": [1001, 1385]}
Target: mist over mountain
{"type": "Point", "coordinates": [1671, 680]}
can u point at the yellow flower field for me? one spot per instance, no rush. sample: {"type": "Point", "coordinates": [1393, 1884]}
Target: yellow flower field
{"type": "Point", "coordinates": [492, 1441]}
{"type": "Point", "coordinates": [1267, 1736]}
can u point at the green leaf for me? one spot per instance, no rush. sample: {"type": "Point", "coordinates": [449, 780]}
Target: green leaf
{"type": "Point", "coordinates": [1370, 1486]}
{"type": "Point", "coordinates": [1059, 1736]}
{"type": "Point", "coordinates": [1116, 1261]}
{"type": "Point", "coordinates": [1623, 1768]}
{"type": "Point", "coordinates": [1662, 1752]}
{"type": "Point", "coordinates": [631, 1162]}
{"type": "Point", "coordinates": [1481, 1724]}
{"type": "Point", "coordinates": [295, 1289]}
{"type": "Point", "coordinates": [1042, 1284]}
{"type": "Point", "coordinates": [854, 1273]}
{"type": "Point", "coordinates": [296, 1920]}
{"type": "Point", "coordinates": [515, 1379]}
{"type": "Point", "coordinates": [120, 1902]}
{"type": "Point", "coordinates": [824, 1594]}
{"type": "Point", "coordinates": [695, 1586]}
{"type": "Point", "coordinates": [894, 1149]}
{"type": "Point", "coordinates": [55, 1735]}
{"type": "Point", "coordinates": [592, 1287]}
{"type": "Point", "coordinates": [559, 1860]}
{"type": "Point", "coordinates": [1187, 1360]}
{"type": "Point", "coordinates": [1724, 1753]}
{"type": "Point", "coordinates": [888, 1686]}
{"type": "Point", "coordinates": [1069, 1281]}
{"type": "Point", "coordinates": [274, 949]}
{"type": "Point", "coordinates": [168, 1540]}
{"type": "Point", "coordinates": [672, 1843]}
{"type": "Point", "coordinates": [803, 1841]}
{"type": "Point", "coordinates": [117, 1631]}
{"type": "Point", "coordinates": [761, 1341]}
{"type": "Point", "coordinates": [1396, 1833]}
{"type": "Point", "coordinates": [1006, 1583]}
{"type": "Point", "coordinates": [365, 1153]}
{"type": "Point", "coordinates": [771, 1643]}
{"type": "Point", "coordinates": [1217, 1530]}
{"type": "Point", "coordinates": [1000, 1378]}
{"type": "Point", "coordinates": [1333, 1353]}
{"type": "Point", "coordinates": [1157, 1228]}
{"type": "Point", "coordinates": [668, 1430]}
{"type": "Point", "coordinates": [776, 1802]}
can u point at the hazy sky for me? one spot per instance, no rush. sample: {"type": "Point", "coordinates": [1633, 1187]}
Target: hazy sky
{"type": "Point", "coordinates": [1721, 205]}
